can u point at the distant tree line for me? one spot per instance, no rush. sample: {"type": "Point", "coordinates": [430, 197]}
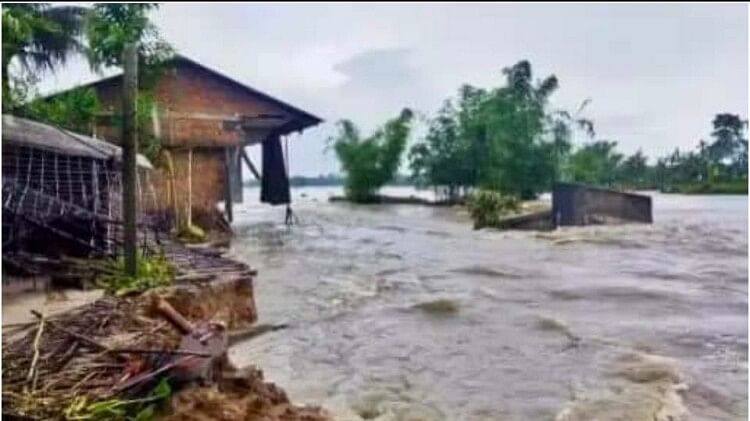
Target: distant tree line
{"type": "Point", "coordinates": [509, 140]}
{"type": "Point", "coordinates": [330, 180]}
{"type": "Point", "coordinates": [721, 161]}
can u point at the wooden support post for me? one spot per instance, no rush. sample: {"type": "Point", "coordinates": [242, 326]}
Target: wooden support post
{"type": "Point", "coordinates": [228, 183]}
{"type": "Point", "coordinates": [190, 188]}
{"type": "Point", "coordinates": [129, 151]}
{"type": "Point", "coordinates": [249, 164]}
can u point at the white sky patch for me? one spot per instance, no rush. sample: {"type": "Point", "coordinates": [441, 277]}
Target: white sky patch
{"type": "Point", "coordinates": [656, 73]}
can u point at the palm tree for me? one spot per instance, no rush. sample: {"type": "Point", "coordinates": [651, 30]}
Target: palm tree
{"type": "Point", "coordinates": [39, 36]}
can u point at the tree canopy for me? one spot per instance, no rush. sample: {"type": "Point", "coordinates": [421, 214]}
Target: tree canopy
{"type": "Point", "coordinates": [371, 162]}
{"type": "Point", "coordinates": [505, 139]}
{"type": "Point", "coordinates": [110, 26]}
{"type": "Point", "coordinates": [42, 37]}
{"type": "Point", "coordinates": [39, 37]}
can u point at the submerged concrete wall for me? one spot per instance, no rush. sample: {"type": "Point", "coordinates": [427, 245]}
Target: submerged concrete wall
{"type": "Point", "coordinates": [576, 204]}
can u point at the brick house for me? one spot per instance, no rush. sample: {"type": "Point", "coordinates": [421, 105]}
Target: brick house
{"type": "Point", "coordinates": [205, 119]}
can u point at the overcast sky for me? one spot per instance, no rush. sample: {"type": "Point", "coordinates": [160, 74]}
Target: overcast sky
{"type": "Point", "coordinates": [656, 74]}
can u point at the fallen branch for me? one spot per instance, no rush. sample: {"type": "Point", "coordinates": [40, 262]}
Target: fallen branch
{"type": "Point", "coordinates": [32, 369]}
{"type": "Point", "coordinates": [253, 331]}
{"type": "Point", "coordinates": [76, 335]}
{"type": "Point", "coordinates": [158, 351]}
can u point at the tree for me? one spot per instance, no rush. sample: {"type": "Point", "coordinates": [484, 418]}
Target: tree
{"type": "Point", "coordinates": [450, 154]}
{"type": "Point", "coordinates": [73, 110]}
{"type": "Point", "coordinates": [596, 163]}
{"type": "Point", "coordinates": [562, 123]}
{"type": "Point", "coordinates": [634, 171]}
{"type": "Point", "coordinates": [518, 160]}
{"type": "Point", "coordinates": [729, 149]}
{"type": "Point", "coordinates": [39, 37]}
{"type": "Point", "coordinates": [369, 163]}
{"type": "Point", "coordinates": [504, 139]}
{"type": "Point", "coordinates": [110, 26]}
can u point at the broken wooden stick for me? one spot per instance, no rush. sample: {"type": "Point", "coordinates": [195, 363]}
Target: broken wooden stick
{"type": "Point", "coordinates": [173, 315]}
{"type": "Point", "coordinates": [158, 351]}
{"type": "Point", "coordinates": [254, 331]}
{"type": "Point", "coordinates": [76, 335]}
{"type": "Point", "coordinates": [35, 359]}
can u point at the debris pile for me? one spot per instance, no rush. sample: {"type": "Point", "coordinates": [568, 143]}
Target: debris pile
{"type": "Point", "coordinates": [119, 357]}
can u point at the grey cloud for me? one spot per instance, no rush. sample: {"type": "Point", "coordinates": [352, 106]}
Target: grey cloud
{"type": "Point", "coordinates": [657, 73]}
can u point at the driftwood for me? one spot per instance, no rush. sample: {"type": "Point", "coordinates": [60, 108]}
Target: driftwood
{"type": "Point", "coordinates": [71, 359]}
{"type": "Point", "coordinates": [76, 335]}
{"type": "Point", "coordinates": [253, 331]}
{"type": "Point", "coordinates": [32, 376]}
{"type": "Point", "coordinates": [116, 345]}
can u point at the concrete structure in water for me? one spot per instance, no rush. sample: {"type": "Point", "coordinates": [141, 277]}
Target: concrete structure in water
{"type": "Point", "coordinates": [577, 204]}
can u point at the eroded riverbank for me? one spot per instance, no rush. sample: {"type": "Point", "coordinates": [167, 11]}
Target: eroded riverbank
{"type": "Point", "coordinates": [537, 325]}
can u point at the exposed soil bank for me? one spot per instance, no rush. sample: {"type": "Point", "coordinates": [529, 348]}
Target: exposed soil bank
{"type": "Point", "coordinates": [77, 356]}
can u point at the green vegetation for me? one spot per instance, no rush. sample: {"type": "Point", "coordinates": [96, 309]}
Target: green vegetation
{"type": "Point", "coordinates": [505, 139]}
{"type": "Point", "coordinates": [330, 180]}
{"type": "Point", "coordinates": [190, 233]}
{"type": "Point", "coordinates": [738, 186]}
{"type": "Point", "coordinates": [487, 207]}
{"type": "Point", "coordinates": [110, 26]}
{"type": "Point", "coordinates": [39, 37]}
{"type": "Point", "coordinates": [73, 110]}
{"type": "Point", "coordinates": [371, 162]}
{"type": "Point", "coordinates": [142, 409]}
{"type": "Point", "coordinates": [508, 139]}
{"type": "Point", "coordinates": [718, 167]}
{"type": "Point", "coordinates": [151, 272]}
{"type": "Point", "coordinates": [595, 163]}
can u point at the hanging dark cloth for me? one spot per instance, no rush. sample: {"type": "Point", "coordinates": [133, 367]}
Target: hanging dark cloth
{"type": "Point", "coordinates": [274, 188]}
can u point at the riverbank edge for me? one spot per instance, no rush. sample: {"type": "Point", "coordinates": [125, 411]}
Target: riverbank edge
{"type": "Point", "coordinates": [737, 188]}
{"type": "Point", "coordinates": [245, 392]}
{"type": "Point", "coordinates": [381, 199]}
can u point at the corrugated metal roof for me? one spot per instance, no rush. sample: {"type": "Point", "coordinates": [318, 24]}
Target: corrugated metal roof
{"type": "Point", "coordinates": [25, 132]}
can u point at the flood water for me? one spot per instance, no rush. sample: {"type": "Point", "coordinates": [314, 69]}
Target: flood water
{"type": "Point", "coordinates": [406, 313]}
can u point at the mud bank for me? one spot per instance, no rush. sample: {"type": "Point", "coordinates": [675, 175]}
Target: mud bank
{"type": "Point", "coordinates": [62, 364]}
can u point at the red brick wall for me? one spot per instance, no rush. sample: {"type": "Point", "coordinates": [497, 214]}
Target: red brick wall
{"type": "Point", "coordinates": [207, 181]}
{"type": "Point", "coordinates": [192, 103]}
{"type": "Point", "coordinates": [181, 92]}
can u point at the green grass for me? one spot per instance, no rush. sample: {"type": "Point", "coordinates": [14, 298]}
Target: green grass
{"type": "Point", "coordinates": [714, 187]}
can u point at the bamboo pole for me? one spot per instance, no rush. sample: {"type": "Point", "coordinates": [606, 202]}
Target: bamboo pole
{"type": "Point", "coordinates": [32, 376]}
{"type": "Point", "coordinates": [190, 188]}
{"type": "Point", "coordinates": [129, 151]}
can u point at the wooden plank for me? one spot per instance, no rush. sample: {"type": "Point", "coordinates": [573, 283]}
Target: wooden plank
{"type": "Point", "coordinates": [228, 184]}
{"type": "Point", "coordinates": [250, 165]}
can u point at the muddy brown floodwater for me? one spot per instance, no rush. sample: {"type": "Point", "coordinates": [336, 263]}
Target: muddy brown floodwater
{"type": "Point", "coordinates": [406, 313]}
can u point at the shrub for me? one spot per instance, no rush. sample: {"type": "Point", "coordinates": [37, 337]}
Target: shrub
{"type": "Point", "coordinates": [191, 234]}
{"type": "Point", "coordinates": [371, 162]}
{"type": "Point", "coordinates": [487, 207]}
{"type": "Point", "coordinates": [151, 272]}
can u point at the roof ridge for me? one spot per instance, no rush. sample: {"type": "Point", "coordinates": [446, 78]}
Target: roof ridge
{"type": "Point", "coordinates": [179, 56]}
